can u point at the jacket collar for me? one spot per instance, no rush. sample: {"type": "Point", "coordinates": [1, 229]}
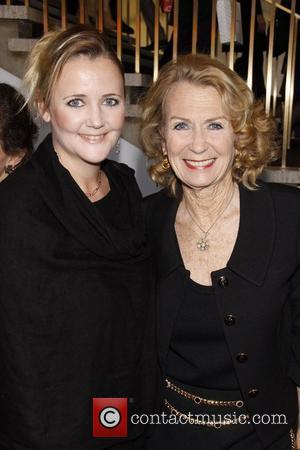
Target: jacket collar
{"type": "Point", "coordinates": [254, 245]}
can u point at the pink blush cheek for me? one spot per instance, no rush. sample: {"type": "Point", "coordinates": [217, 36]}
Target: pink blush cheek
{"type": "Point", "coordinates": [65, 120]}
{"type": "Point", "coordinates": [116, 119]}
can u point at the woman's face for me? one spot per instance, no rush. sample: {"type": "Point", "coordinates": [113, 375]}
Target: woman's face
{"type": "Point", "coordinates": [86, 110]}
{"type": "Point", "coordinates": [198, 138]}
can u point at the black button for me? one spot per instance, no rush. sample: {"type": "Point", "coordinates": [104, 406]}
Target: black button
{"type": "Point", "coordinates": [242, 357]}
{"type": "Point", "coordinates": [223, 281]}
{"type": "Point", "coordinates": [229, 320]}
{"type": "Point", "coordinates": [253, 393]}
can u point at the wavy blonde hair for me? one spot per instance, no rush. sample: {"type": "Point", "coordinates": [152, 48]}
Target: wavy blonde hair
{"type": "Point", "coordinates": [50, 54]}
{"type": "Point", "coordinates": [256, 141]}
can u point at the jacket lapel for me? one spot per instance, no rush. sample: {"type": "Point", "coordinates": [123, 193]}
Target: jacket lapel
{"type": "Point", "coordinates": [255, 241]}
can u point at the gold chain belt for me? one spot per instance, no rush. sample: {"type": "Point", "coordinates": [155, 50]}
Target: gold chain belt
{"type": "Point", "coordinates": [200, 400]}
{"type": "Point", "coordinates": [196, 421]}
{"type": "Point", "coordinates": [293, 440]}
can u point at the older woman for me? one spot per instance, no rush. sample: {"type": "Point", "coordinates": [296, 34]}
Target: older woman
{"type": "Point", "coordinates": [228, 265]}
{"type": "Point", "coordinates": [17, 130]}
{"type": "Point", "coordinates": [74, 266]}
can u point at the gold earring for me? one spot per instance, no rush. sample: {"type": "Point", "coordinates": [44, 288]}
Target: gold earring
{"type": "Point", "coordinates": [165, 163]}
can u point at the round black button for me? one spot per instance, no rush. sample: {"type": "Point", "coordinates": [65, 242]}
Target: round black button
{"type": "Point", "coordinates": [223, 281]}
{"type": "Point", "coordinates": [253, 393]}
{"type": "Point", "coordinates": [242, 357]}
{"type": "Point", "coordinates": [229, 320]}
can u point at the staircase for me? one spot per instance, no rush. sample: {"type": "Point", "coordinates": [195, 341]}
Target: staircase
{"type": "Point", "coordinates": [20, 28]}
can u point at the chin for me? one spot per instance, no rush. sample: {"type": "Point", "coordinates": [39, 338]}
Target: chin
{"type": "Point", "coordinates": [200, 183]}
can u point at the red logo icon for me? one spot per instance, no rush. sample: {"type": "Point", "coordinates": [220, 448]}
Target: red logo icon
{"type": "Point", "coordinates": [109, 417]}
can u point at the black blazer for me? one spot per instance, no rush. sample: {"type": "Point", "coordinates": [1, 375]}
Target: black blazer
{"type": "Point", "coordinates": [76, 318]}
{"type": "Point", "coordinates": [257, 294]}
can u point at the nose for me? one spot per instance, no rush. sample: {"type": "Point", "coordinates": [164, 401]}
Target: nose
{"type": "Point", "coordinates": [95, 117]}
{"type": "Point", "coordinates": [199, 143]}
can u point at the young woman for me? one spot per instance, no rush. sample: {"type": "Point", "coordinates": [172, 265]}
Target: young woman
{"type": "Point", "coordinates": [74, 266]}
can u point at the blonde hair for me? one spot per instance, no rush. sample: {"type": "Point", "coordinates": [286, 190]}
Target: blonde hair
{"type": "Point", "coordinates": [256, 140]}
{"type": "Point", "coordinates": [50, 54]}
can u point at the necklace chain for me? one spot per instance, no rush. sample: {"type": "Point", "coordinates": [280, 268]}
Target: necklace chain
{"type": "Point", "coordinates": [202, 243]}
{"type": "Point", "coordinates": [99, 182]}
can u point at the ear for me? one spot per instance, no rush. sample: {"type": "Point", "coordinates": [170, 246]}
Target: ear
{"type": "Point", "coordinates": [44, 112]}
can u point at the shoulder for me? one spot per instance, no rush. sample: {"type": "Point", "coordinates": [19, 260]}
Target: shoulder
{"type": "Point", "coordinates": [122, 176]}
{"type": "Point", "coordinates": [282, 194]}
{"type": "Point", "coordinates": [18, 188]}
{"type": "Point", "coordinates": [157, 202]}
{"type": "Point", "coordinates": [118, 168]}
{"type": "Point", "coordinates": [158, 199]}
{"type": "Point", "coordinates": [159, 209]}
{"type": "Point", "coordinates": [274, 202]}
{"type": "Point", "coordinates": [18, 198]}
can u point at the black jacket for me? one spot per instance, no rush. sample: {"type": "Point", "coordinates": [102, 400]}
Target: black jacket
{"type": "Point", "coordinates": [74, 306]}
{"type": "Point", "coordinates": [257, 294]}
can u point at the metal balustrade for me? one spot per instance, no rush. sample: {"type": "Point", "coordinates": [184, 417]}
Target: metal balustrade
{"type": "Point", "coordinates": [130, 11]}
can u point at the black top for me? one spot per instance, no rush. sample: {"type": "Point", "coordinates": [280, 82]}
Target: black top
{"type": "Point", "coordinates": [76, 316]}
{"type": "Point", "coordinates": [198, 353]}
{"type": "Point", "coordinates": [105, 206]}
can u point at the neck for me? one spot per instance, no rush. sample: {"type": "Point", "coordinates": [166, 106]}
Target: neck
{"type": "Point", "coordinates": [207, 203]}
{"type": "Point", "coordinates": [86, 175]}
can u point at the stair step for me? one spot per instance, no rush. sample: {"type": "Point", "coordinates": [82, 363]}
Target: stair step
{"type": "Point", "coordinates": [20, 12]}
{"type": "Point", "coordinates": [21, 44]}
{"type": "Point", "coordinates": [288, 175]}
{"type": "Point", "coordinates": [131, 79]}
{"type": "Point", "coordinates": [137, 79]}
{"type": "Point", "coordinates": [15, 12]}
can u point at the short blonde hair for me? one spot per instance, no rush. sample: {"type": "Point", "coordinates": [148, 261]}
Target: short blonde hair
{"type": "Point", "coordinates": [256, 140]}
{"type": "Point", "coordinates": [50, 54]}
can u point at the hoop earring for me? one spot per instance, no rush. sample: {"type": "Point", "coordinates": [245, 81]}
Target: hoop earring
{"type": "Point", "coordinates": [9, 169]}
{"type": "Point", "coordinates": [165, 163]}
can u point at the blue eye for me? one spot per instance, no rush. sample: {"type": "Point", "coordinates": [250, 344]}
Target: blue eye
{"type": "Point", "coordinates": [215, 126]}
{"type": "Point", "coordinates": [180, 126]}
{"type": "Point", "coordinates": [75, 103]}
{"type": "Point", "coordinates": [111, 101]}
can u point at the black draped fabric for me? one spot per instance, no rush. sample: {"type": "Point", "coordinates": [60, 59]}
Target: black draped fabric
{"type": "Point", "coordinates": [75, 306]}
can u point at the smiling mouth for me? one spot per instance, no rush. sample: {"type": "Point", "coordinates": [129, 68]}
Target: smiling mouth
{"type": "Point", "coordinates": [204, 164]}
{"type": "Point", "coordinates": [92, 139]}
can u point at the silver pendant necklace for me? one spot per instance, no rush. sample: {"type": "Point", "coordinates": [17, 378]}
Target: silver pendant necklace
{"type": "Point", "coordinates": [202, 242]}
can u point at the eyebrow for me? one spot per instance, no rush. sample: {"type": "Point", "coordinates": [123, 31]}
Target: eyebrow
{"type": "Point", "coordinates": [211, 119]}
{"type": "Point", "coordinates": [84, 95]}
